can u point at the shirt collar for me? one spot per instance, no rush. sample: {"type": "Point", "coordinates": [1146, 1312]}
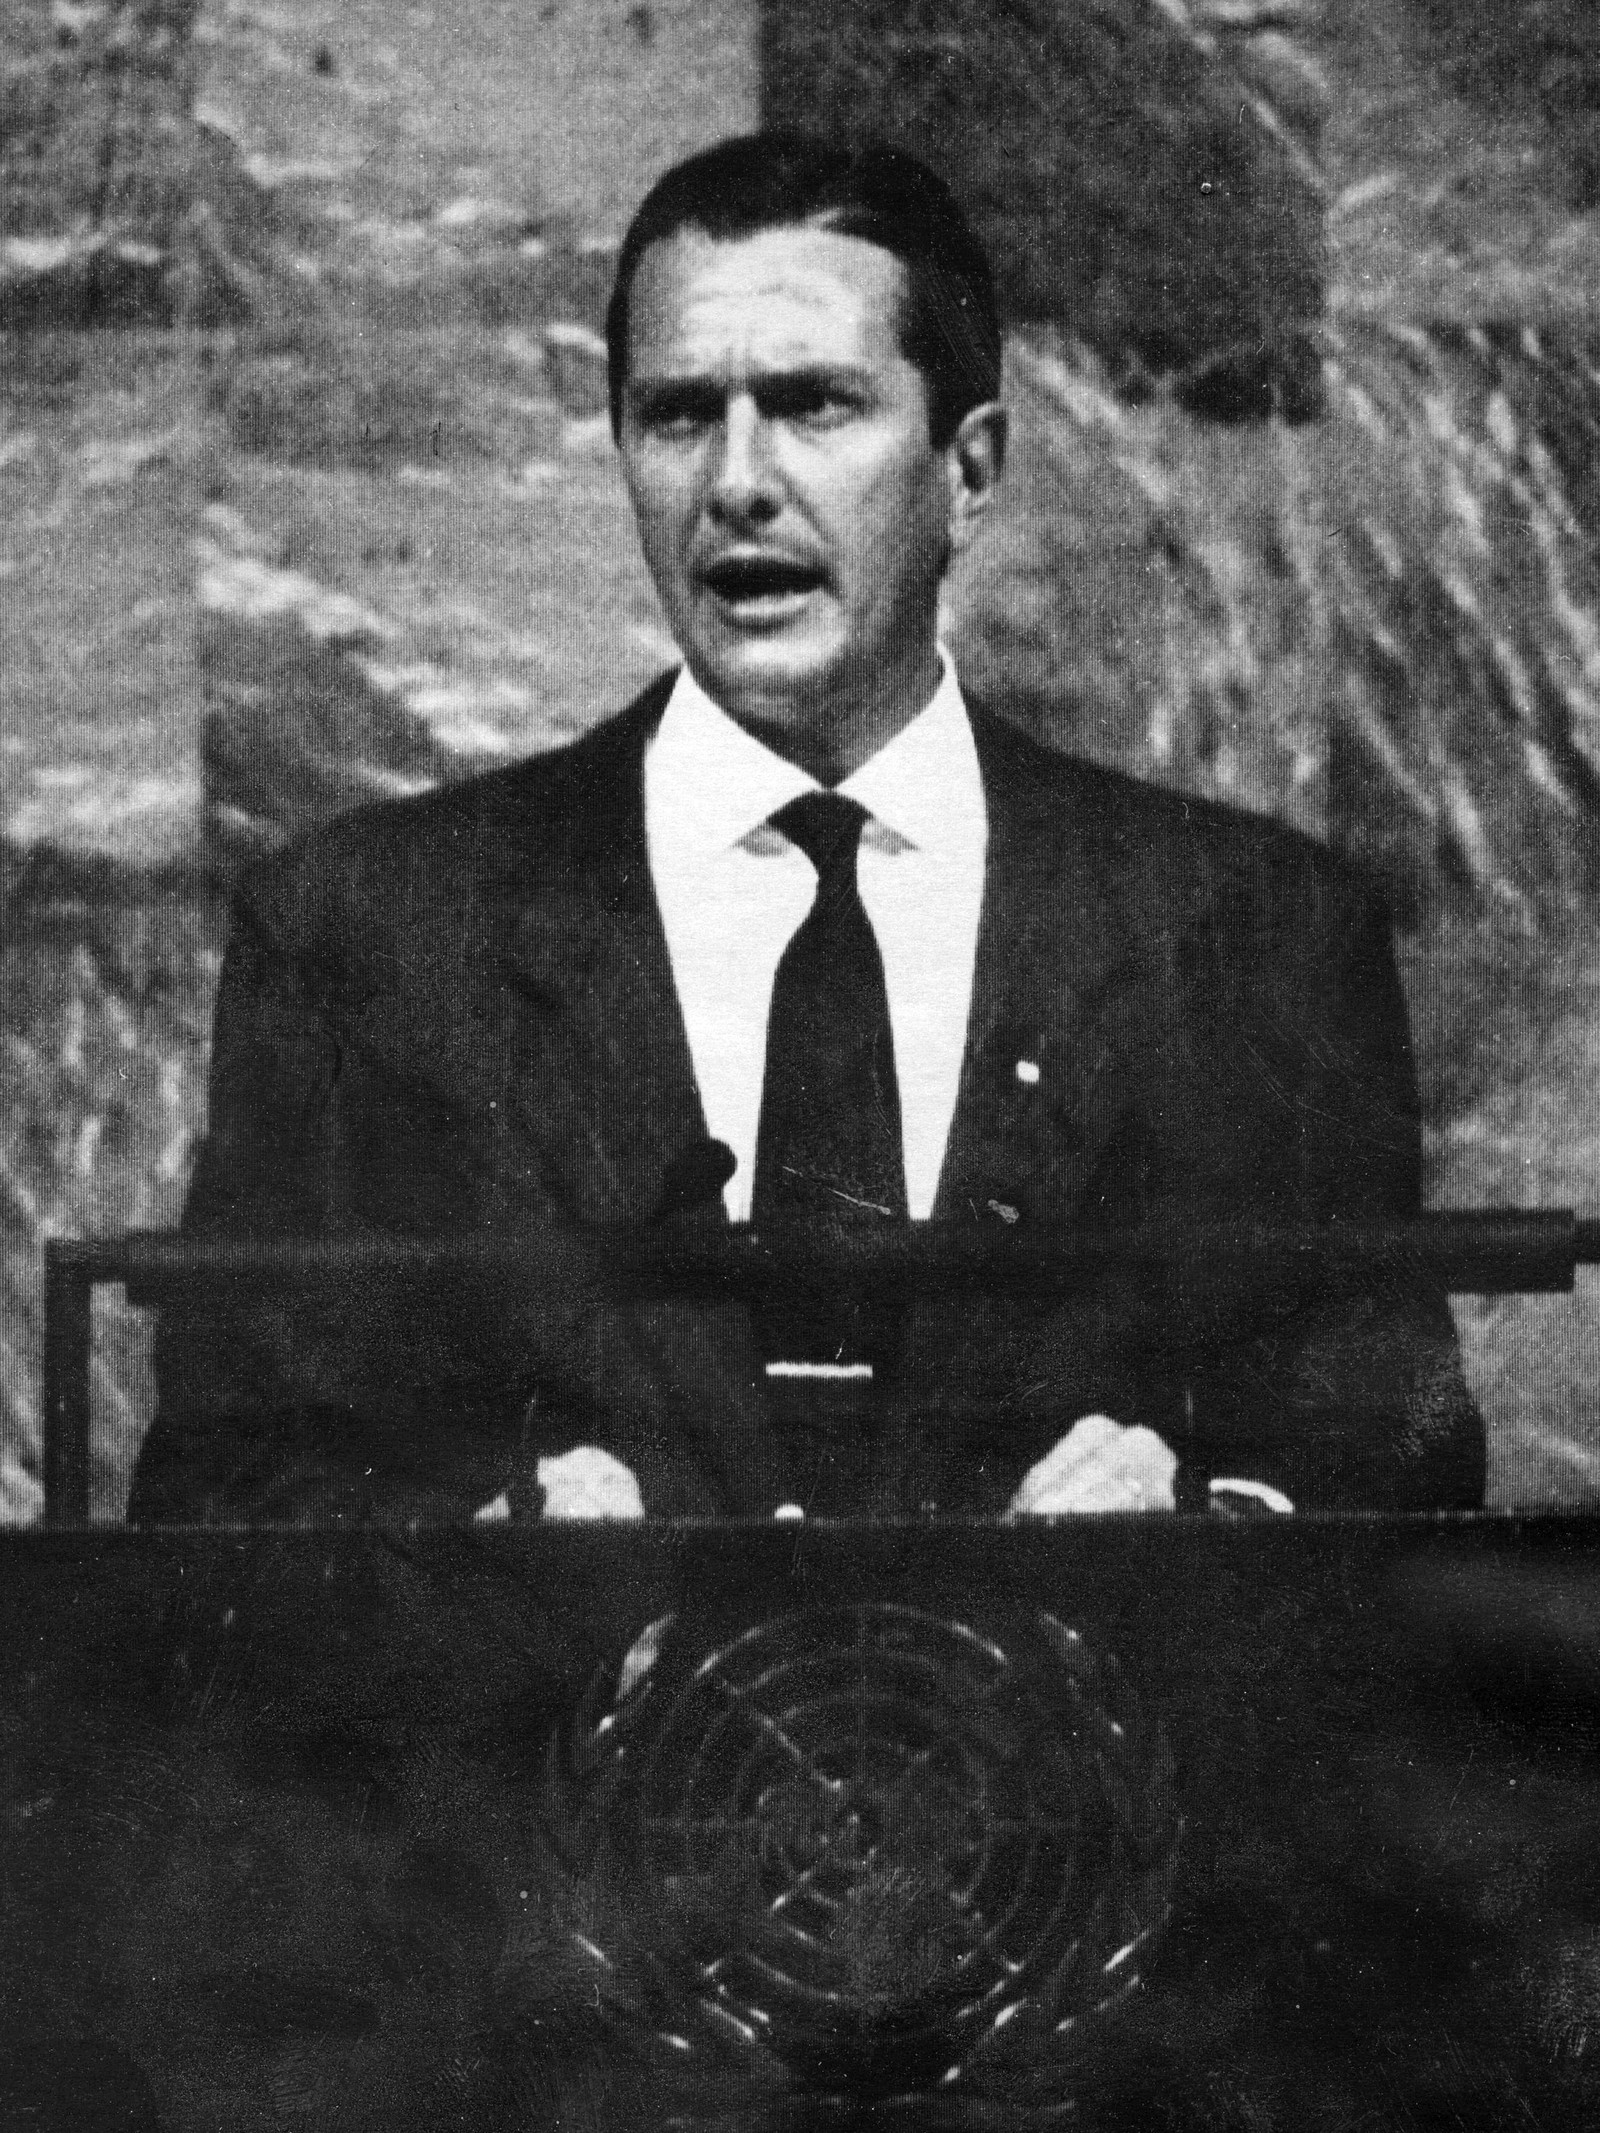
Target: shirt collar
{"type": "Point", "coordinates": [710, 783]}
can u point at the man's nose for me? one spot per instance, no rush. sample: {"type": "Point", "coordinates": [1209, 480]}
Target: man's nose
{"type": "Point", "coordinates": [745, 486]}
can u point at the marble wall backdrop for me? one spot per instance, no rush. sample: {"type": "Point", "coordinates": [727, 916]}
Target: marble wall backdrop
{"type": "Point", "coordinates": [1300, 514]}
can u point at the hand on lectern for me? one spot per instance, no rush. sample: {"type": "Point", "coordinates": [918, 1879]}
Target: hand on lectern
{"type": "Point", "coordinates": [589, 1483]}
{"type": "Point", "coordinates": [1098, 1466]}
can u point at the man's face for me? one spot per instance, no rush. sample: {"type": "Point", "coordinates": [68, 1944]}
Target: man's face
{"type": "Point", "coordinates": [794, 512]}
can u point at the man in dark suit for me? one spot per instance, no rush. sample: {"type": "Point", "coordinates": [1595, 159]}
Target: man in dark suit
{"type": "Point", "coordinates": [807, 901]}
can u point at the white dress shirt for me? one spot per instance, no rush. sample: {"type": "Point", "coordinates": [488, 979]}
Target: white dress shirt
{"type": "Point", "coordinates": [733, 891]}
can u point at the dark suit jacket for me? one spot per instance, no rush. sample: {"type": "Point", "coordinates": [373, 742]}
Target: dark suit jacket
{"type": "Point", "coordinates": [457, 1014]}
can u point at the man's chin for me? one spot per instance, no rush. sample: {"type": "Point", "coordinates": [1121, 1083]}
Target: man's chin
{"type": "Point", "coordinates": [765, 680]}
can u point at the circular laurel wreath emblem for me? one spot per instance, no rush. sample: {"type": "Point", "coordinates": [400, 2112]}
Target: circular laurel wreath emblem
{"type": "Point", "coordinates": [868, 1850]}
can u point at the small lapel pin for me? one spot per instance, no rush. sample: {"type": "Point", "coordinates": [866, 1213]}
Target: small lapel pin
{"type": "Point", "coordinates": [1028, 1072]}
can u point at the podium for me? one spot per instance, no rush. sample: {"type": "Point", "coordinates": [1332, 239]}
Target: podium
{"type": "Point", "coordinates": [367, 1830]}
{"type": "Point", "coordinates": [1127, 1822]}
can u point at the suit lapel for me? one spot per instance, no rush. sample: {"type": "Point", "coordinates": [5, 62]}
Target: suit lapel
{"type": "Point", "coordinates": [605, 1090]}
{"type": "Point", "coordinates": [603, 1082]}
{"type": "Point", "coordinates": [1064, 972]}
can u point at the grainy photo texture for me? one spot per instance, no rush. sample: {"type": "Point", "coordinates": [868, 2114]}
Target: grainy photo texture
{"type": "Point", "coordinates": [716, 689]}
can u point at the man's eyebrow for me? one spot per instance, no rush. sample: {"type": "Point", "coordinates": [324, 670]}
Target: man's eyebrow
{"type": "Point", "coordinates": [782, 383]}
{"type": "Point", "coordinates": [671, 394]}
{"type": "Point", "coordinates": [811, 378]}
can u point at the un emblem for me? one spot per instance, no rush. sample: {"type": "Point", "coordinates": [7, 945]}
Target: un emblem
{"type": "Point", "coordinates": [874, 1857]}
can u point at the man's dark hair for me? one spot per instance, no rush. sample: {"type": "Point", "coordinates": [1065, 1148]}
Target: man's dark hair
{"type": "Point", "coordinates": [784, 180]}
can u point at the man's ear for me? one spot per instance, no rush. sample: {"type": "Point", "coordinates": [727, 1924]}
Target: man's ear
{"type": "Point", "coordinates": [974, 460]}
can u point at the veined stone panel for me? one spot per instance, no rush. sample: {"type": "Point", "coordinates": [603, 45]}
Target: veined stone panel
{"type": "Point", "coordinates": [96, 159]}
{"type": "Point", "coordinates": [558, 109]}
{"type": "Point", "coordinates": [1134, 187]}
{"type": "Point", "coordinates": [88, 95]}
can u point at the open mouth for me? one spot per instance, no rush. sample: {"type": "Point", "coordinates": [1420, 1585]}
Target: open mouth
{"type": "Point", "coordinates": [754, 582]}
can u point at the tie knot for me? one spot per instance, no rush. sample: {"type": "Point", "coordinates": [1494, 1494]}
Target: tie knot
{"type": "Point", "coordinates": [827, 828]}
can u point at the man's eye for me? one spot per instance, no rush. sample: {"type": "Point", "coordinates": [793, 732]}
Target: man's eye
{"type": "Point", "coordinates": [815, 402]}
{"type": "Point", "coordinates": [678, 414]}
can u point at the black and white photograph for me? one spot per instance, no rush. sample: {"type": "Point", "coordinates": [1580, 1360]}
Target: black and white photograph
{"type": "Point", "coordinates": [800, 1275]}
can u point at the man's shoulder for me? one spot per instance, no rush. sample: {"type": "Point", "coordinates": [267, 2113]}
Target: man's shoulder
{"type": "Point", "coordinates": [531, 813]}
{"type": "Point", "coordinates": [1179, 844]}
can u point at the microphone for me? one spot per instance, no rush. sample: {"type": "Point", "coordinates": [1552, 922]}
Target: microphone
{"type": "Point", "coordinates": [695, 1175]}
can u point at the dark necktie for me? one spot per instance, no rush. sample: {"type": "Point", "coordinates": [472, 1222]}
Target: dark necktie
{"type": "Point", "coordinates": [829, 1138]}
